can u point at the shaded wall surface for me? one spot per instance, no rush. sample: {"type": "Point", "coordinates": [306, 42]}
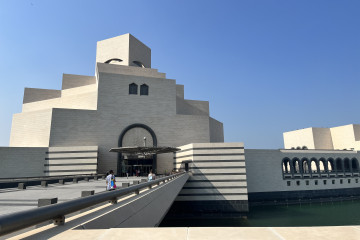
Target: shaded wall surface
{"type": "Point", "coordinates": [19, 162]}
{"type": "Point", "coordinates": [217, 184]}
{"type": "Point", "coordinates": [22, 162]}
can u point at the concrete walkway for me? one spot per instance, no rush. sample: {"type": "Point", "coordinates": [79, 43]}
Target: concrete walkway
{"type": "Point", "coordinates": [15, 200]}
{"type": "Point", "coordinates": [216, 233]}
{"type": "Point", "coordinates": [213, 233]}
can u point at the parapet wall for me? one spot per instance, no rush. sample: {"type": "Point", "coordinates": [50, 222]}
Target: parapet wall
{"type": "Point", "coordinates": [22, 162]}
{"type": "Point", "coordinates": [71, 160]}
{"type": "Point", "coordinates": [18, 162]}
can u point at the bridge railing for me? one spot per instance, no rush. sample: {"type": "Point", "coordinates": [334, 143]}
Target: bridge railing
{"type": "Point", "coordinates": [20, 220]}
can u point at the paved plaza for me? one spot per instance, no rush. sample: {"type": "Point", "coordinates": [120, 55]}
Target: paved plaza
{"type": "Point", "coordinates": [15, 200]}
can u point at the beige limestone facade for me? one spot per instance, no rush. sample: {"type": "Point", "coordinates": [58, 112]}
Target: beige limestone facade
{"type": "Point", "coordinates": [109, 109]}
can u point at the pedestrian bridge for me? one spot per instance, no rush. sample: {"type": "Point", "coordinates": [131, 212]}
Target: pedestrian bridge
{"type": "Point", "coordinates": [141, 205]}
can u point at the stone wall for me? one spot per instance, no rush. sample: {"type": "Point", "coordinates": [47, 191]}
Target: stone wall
{"type": "Point", "coordinates": [218, 171]}
{"type": "Point", "coordinates": [71, 160]}
{"type": "Point", "coordinates": [31, 129]}
{"type": "Point", "coordinates": [22, 161]}
{"type": "Point", "coordinates": [217, 177]}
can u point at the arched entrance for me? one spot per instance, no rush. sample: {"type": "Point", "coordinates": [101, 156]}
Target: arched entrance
{"type": "Point", "coordinates": [136, 135]}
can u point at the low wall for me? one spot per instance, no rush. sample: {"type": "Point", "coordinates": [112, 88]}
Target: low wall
{"type": "Point", "coordinates": [22, 161]}
{"type": "Point", "coordinates": [71, 160]}
{"type": "Point", "coordinates": [16, 162]}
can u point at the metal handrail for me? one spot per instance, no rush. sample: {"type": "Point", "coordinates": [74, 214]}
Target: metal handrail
{"type": "Point", "coordinates": [20, 220]}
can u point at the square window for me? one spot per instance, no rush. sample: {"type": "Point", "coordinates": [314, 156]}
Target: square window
{"type": "Point", "coordinates": [341, 181]}
{"type": "Point", "coordinates": [333, 181]}
{"type": "Point", "coordinates": [324, 182]}
{"type": "Point", "coordinates": [349, 180]}
{"type": "Point", "coordinates": [288, 183]}
{"type": "Point", "coordinates": [298, 183]}
{"type": "Point", "coordinates": [316, 182]}
{"type": "Point", "coordinates": [307, 182]}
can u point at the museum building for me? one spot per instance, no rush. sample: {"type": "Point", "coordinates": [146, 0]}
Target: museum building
{"type": "Point", "coordinates": [126, 104]}
{"type": "Point", "coordinates": [129, 104]}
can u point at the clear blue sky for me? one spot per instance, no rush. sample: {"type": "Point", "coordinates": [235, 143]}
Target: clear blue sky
{"type": "Point", "coordinates": [265, 66]}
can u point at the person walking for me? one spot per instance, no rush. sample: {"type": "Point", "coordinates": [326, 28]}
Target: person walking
{"type": "Point", "coordinates": [150, 176]}
{"type": "Point", "coordinates": [110, 181]}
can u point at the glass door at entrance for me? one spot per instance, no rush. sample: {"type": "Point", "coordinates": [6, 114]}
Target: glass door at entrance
{"type": "Point", "coordinates": [138, 170]}
{"type": "Point", "coordinates": [137, 167]}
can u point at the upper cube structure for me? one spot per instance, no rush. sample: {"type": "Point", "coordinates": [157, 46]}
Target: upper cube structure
{"type": "Point", "coordinates": [124, 50]}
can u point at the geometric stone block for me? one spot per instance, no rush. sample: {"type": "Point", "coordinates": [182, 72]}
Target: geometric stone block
{"type": "Point", "coordinates": [75, 180]}
{"type": "Point", "coordinates": [22, 186]}
{"type": "Point", "coordinates": [125, 185]}
{"type": "Point", "coordinates": [135, 182]}
{"type": "Point", "coordinates": [61, 181]}
{"type": "Point", "coordinates": [143, 180]}
{"type": "Point", "coordinates": [95, 177]}
{"type": "Point", "coordinates": [86, 179]}
{"type": "Point", "coordinates": [44, 183]}
{"type": "Point", "coordinates": [87, 193]}
{"type": "Point", "coordinates": [46, 201]}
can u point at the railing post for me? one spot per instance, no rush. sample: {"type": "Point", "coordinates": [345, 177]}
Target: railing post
{"type": "Point", "coordinates": [46, 201]}
{"type": "Point", "coordinates": [22, 186]}
{"type": "Point", "coordinates": [87, 193]}
{"type": "Point", "coordinates": [59, 221]}
{"type": "Point", "coordinates": [44, 183]}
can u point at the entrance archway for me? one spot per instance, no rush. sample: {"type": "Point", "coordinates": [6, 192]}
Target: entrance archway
{"type": "Point", "coordinates": [134, 135]}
